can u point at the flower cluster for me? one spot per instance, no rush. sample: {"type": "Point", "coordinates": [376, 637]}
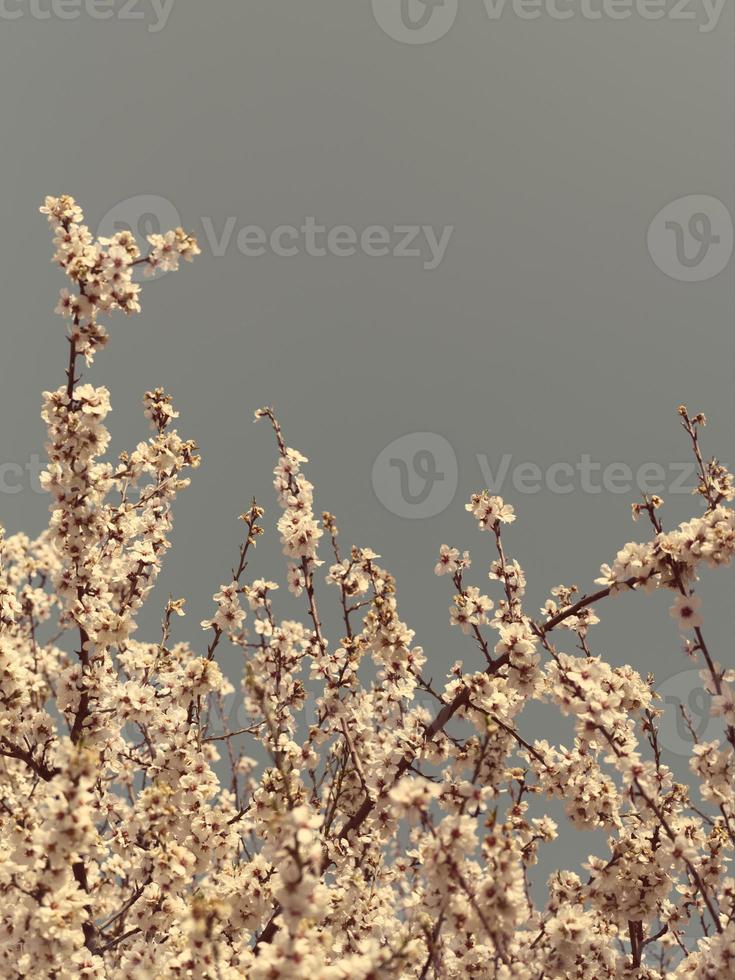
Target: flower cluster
{"type": "Point", "coordinates": [101, 270]}
{"type": "Point", "coordinates": [340, 815]}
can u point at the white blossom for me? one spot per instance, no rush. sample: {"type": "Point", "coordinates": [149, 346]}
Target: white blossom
{"type": "Point", "coordinates": [342, 814]}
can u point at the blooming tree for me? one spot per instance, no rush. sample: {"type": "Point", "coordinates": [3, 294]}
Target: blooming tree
{"type": "Point", "coordinates": [383, 825]}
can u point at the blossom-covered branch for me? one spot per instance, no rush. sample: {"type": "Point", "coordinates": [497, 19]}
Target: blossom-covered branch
{"type": "Point", "coordinates": [359, 819]}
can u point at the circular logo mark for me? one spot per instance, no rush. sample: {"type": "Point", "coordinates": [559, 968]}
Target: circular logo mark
{"type": "Point", "coordinates": [415, 21]}
{"type": "Point", "coordinates": [686, 692]}
{"type": "Point", "coordinates": [416, 476]}
{"type": "Point", "coordinates": [691, 239]}
{"type": "Point", "coordinates": [143, 215]}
